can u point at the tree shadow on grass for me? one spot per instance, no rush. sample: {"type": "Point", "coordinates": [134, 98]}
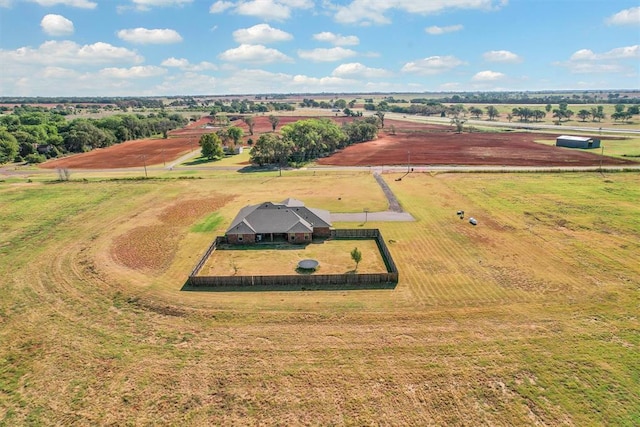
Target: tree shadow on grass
{"type": "Point", "coordinates": [199, 161]}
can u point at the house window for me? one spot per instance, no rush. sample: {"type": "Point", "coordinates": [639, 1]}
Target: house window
{"type": "Point", "coordinates": [239, 238]}
{"type": "Point", "coordinates": [292, 237]}
{"type": "Point", "coordinates": [306, 237]}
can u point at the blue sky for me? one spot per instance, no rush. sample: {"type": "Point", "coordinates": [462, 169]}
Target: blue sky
{"type": "Point", "coordinates": [218, 47]}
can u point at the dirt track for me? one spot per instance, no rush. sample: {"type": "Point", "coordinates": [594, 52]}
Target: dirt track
{"type": "Point", "coordinates": [413, 144]}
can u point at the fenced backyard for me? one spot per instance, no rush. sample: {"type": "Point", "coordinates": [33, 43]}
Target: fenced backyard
{"type": "Point", "coordinates": [301, 280]}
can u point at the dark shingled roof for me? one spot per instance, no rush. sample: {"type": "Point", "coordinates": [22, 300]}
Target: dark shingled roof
{"type": "Point", "coordinates": [289, 216]}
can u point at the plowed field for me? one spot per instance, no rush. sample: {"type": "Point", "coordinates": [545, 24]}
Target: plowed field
{"type": "Point", "coordinates": [420, 144]}
{"type": "Point", "coordinates": [415, 143]}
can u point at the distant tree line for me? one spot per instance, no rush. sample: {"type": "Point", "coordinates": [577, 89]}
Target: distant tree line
{"type": "Point", "coordinates": [37, 135]}
{"type": "Point", "coordinates": [338, 104]}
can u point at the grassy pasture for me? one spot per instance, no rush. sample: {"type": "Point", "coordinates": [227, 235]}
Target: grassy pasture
{"type": "Point", "coordinates": [529, 318]}
{"type": "Point", "coordinates": [627, 148]}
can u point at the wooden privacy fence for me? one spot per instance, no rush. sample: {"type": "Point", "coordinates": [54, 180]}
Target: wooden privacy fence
{"type": "Point", "coordinates": [355, 280]}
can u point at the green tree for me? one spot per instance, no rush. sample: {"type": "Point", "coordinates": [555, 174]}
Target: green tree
{"type": "Point", "coordinates": [312, 138]}
{"type": "Point", "coordinates": [8, 147]}
{"type": "Point", "coordinates": [356, 256]}
{"type": "Point", "coordinates": [211, 146]}
{"type": "Point", "coordinates": [263, 151]}
{"type": "Point", "coordinates": [458, 123]}
{"type": "Point", "coordinates": [492, 112]}
{"type": "Point", "coordinates": [380, 114]}
{"type": "Point", "coordinates": [250, 121]}
{"type": "Point", "coordinates": [548, 108]}
{"type": "Point", "coordinates": [236, 134]}
{"type": "Point", "coordinates": [360, 131]}
{"type": "Point", "coordinates": [274, 120]}
{"type": "Point", "coordinates": [584, 114]}
{"type": "Point", "coordinates": [475, 112]}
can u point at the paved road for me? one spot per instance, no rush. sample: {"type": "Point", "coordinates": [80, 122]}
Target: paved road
{"type": "Point", "coordinates": [514, 125]}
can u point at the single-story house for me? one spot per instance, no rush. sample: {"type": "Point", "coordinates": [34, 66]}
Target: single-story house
{"type": "Point", "coordinates": [289, 220]}
{"type": "Point", "coordinates": [577, 142]}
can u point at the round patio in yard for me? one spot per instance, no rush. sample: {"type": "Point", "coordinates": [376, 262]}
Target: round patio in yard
{"type": "Point", "coordinates": [308, 264]}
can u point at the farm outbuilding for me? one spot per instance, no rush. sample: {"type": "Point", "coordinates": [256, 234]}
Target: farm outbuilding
{"type": "Point", "coordinates": [577, 142]}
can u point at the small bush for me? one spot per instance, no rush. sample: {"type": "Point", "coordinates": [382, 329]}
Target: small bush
{"type": "Point", "coordinates": [35, 158]}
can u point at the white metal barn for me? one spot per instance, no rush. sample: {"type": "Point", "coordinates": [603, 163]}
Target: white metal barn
{"type": "Point", "coordinates": [577, 142]}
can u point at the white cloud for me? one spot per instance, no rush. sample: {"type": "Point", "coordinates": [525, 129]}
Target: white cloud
{"type": "Point", "coordinates": [501, 56]}
{"type": "Point", "coordinates": [261, 33]}
{"type": "Point", "coordinates": [145, 5]}
{"type": "Point", "coordinates": [356, 69]}
{"type": "Point", "coordinates": [146, 36]}
{"type": "Point", "coordinates": [436, 31]}
{"type": "Point", "coordinates": [258, 54]}
{"type": "Point", "coordinates": [432, 65]}
{"type": "Point", "coordinates": [336, 39]}
{"type": "Point", "coordinates": [220, 6]}
{"type": "Point", "coordinates": [137, 72]}
{"type": "Point", "coordinates": [373, 11]}
{"type": "Point", "coordinates": [175, 62]}
{"type": "Point", "coordinates": [487, 76]}
{"type": "Point", "coordinates": [277, 10]}
{"type": "Point", "coordinates": [615, 60]}
{"type": "Point", "coordinates": [56, 25]}
{"type": "Point", "coordinates": [82, 4]}
{"type": "Point", "coordinates": [625, 17]}
{"type": "Point", "coordinates": [185, 65]}
{"type": "Point", "coordinates": [185, 84]}
{"type": "Point", "coordinates": [5, 3]}
{"type": "Point", "coordinates": [59, 73]}
{"type": "Point", "coordinates": [321, 83]}
{"type": "Point", "coordinates": [265, 9]}
{"type": "Point", "coordinates": [69, 53]}
{"type": "Point", "coordinates": [326, 55]}
{"type": "Point", "coordinates": [627, 52]}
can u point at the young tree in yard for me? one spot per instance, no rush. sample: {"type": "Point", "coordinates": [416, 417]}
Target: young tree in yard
{"type": "Point", "coordinates": [250, 122]}
{"type": "Point", "coordinates": [211, 146]}
{"type": "Point", "coordinates": [356, 256]}
{"type": "Point", "coordinates": [274, 120]}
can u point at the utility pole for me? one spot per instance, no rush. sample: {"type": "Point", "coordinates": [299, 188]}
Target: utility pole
{"type": "Point", "coordinates": [366, 214]}
{"type": "Point", "coordinates": [144, 160]}
{"type": "Point", "coordinates": [408, 161]}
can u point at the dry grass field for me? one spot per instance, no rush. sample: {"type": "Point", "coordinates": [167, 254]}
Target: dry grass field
{"type": "Point", "coordinates": [529, 318]}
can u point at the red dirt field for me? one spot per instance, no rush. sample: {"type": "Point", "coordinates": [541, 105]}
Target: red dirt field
{"type": "Point", "coordinates": [421, 144]}
{"type": "Point", "coordinates": [425, 144]}
{"type": "Point", "coordinates": [137, 153]}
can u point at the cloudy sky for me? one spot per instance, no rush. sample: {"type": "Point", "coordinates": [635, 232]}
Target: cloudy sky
{"type": "Point", "coordinates": [217, 47]}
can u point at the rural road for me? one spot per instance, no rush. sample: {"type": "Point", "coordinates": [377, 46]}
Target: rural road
{"type": "Point", "coordinates": [515, 125]}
